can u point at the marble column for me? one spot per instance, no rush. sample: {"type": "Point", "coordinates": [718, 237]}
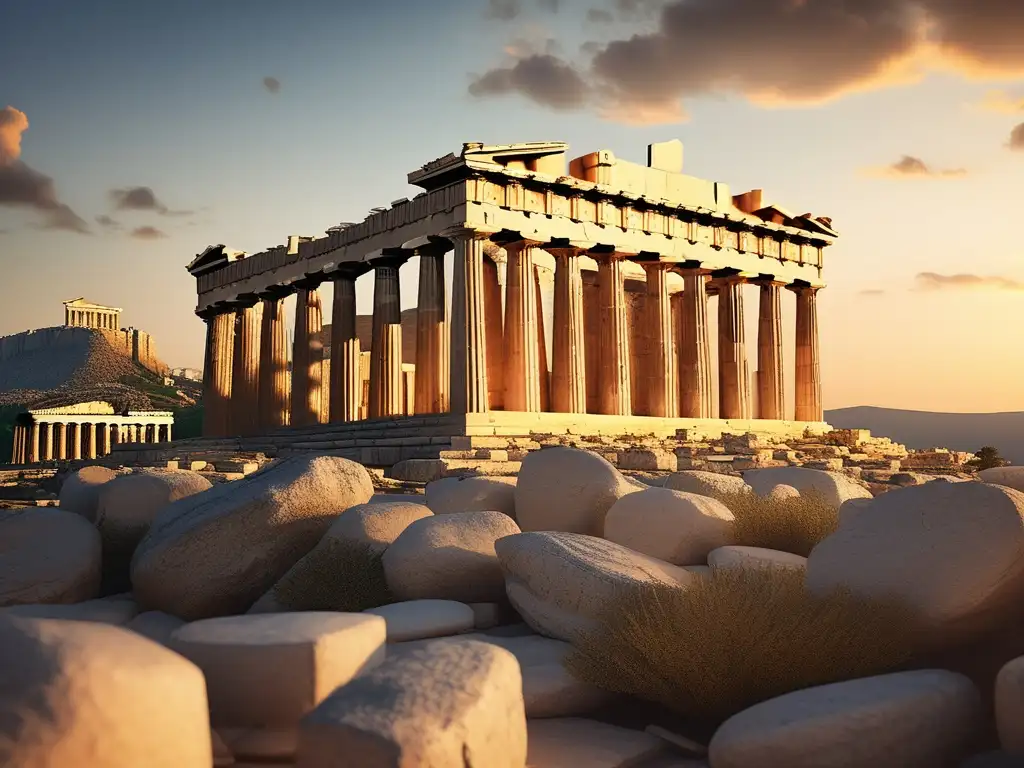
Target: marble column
{"type": "Point", "coordinates": [33, 442]}
{"type": "Point", "coordinates": [170, 437]}
{"type": "Point", "coordinates": [614, 362]}
{"type": "Point", "coordinates": [659, 378]}
{"type": "Point", "coordinates": [307, 357]}
{"type": "Point", "coordinates": [90, 440]}
{"type": "Point", "coordinates": [76, 441]}
{"type": "Point", "coordinates": [386, 341]}
{"type": "Point", "coordinates": [771, 397]}
{"type": "Point", "coordinates": [61, 442]}
{"type": "Point", "coordinates": [273, 379]}
{"type": "Point", "coordinates": [245, 371]}
{"type": "Point", "coordinates": [494, 324]}
{"type": "Point", "coordinates": [468, 348]}
{"type": "Point", "coordinates": [733, 371]}
{"type": "Point", "coordinates": [568, 361]}
{"type": "Point", "coordinates": [47, 437]}
{"type": "Point", "coordinates": [217, 374]}
{"type": "Point", "coordinates": [521, 348]}
{"type": "Point", "coordinates": [808, 366]}
{"type": "Point", "coordinates": [346, 381]}
{"type": "Point", "coordinates": [16, 449]}
{"type": "Point", "coordinates": [695, 391]}
{"type": "Point", "coordinates": [432, 355]}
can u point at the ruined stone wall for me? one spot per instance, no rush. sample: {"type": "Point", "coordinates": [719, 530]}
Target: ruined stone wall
{"type": "Point", "coordinates": [139, 346]}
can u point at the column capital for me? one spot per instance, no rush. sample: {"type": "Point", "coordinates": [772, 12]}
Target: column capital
{"type": "Point", "coordinates": [274, 292]}
{"type": "Point", "coordinates": [456, 234]}
{"type": "Point", "coordinates": [767, 280]}
{"type": "Point", "coordinates": [245, 301]}
{"type": "Point", "coordinates": [387, 257]}
{"type": "Point", "coordinates": [800, 287]}
{"type": "Point", "coordinates": [307, 282]}
{"type": "Point", "coordinates": [428, 245]}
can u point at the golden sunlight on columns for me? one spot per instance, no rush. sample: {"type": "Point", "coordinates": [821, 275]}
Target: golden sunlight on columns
{"type": "Point", "coordinates": [494, 269]}
{"type": "Point", "coordinates": [47, 430]}
{"type": "Point", "coordinates": [61, 441]}
{"type": "Point", "coordinates": [808, 367]}
{"type": "Point", "coordinates": [245, 372]}
{"type": "Point", "coordinates": [274, 380]}
{"type": "Point", "coordinates": [614, 371]}
{"type": "Point", "coordinates": [307, 357]}
{"type": "Point", "coordinates": [522, 354]}
{"type": "Point", "coordinates": [90, 440]}
{"type": "Point", "coordinates": [217, 373]}
{"type": "Point", "coordinates": [568, 363]}
{"type": "Point", "coordinates": [695, 348]}
{"type": "Point", "coordinates": [386, 341]}
{"type": "Point", "coordinates": [771, 397]}
{"type": "Point", "coordinates": [33, 442]}
{"type": "Point", "coordinates": [76, 441]}
{"type": "Point", "coordinates": [733, 371]}
{"type": "Point", "coordinates": [346, 383]}
{"type": "Point", "coordinates": [659, 376]}
{"type": "Point", "coordinates": [432, 356]}
{"type": "Point", "coordinates": [468, 367]}
{"type": "Point", "coordinates": [16, 451]}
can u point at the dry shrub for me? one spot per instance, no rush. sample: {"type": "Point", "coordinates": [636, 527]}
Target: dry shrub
{"type": "Point", "coordinates": [793, 525]}
{"type": "Point", "coordinates": [737, 637]}
{"type": "Point", "coordinates": [339, 575]}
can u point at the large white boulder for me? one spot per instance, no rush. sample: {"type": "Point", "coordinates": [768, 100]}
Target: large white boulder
{"type": "Point", "coordinates": [673, 526]}
{"type": "Point", "coordinates": [574, 741]}
{"type": "Point", "coordinates": [215, 553]}
{"type": "Point", "coordinates": [422, 619]}
{"type": "Point", "coordinates": [80, 491]}
{"type": "Point", "coordinates": [269, 671]}
{"type": "Point", "coordinates": [48, 556]}
{"type": "Point", "coordinates": [561, 582]}
{"type": "Point", "coordinates": [1009, 698]}
{"type": "Point", "coordinates": [754, 557]}
{"type": "Point", "coordinates": [343, 572]}
{"type": "Point", "coordinates": [1011, 477]}
{"type": "Point", "coordinates": [705, 483]}
{"type": "Point", "coordinates": [156, 625]}
{"type": "Point", "coordinates": [77, 693]}
{"type": "Point", "coordinates": [566, 489]}
{"type": "Point", "coordinates": [444, 704]}
{"type": "Point", "coordinates": [117, 611]}
{"type": "Point", "coordinates": [449, 557]}
{"type": "Point", "coordinates": [472, 494]}
{"type": "Point", "coordinates": [834, 487]}
{"type": "Point", "coordinates": [952, 551]}
{"type": "Point", "coordinates": [919, 719]}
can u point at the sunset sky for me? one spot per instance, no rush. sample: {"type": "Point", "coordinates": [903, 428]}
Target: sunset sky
{"type": "Point", "coordinates": [133, 135]}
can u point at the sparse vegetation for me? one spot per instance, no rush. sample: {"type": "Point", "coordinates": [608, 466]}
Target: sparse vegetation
{"type": "Point", "coordinates": [738, 637]}
{"type": "Point", "coordinates": [987, 458]}
{"type": "Point", "coordinates": [794, 524]}
{"type": "Point", "coordinates": [338, 575]}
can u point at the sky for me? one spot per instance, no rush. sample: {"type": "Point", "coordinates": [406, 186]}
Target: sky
{"type": "Point", "coordinates": [133, 135]}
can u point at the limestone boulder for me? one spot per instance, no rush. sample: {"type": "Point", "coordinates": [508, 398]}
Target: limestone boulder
{"type": "Point", "coordinates": [445, 704]}
{"type": "Point", "coordinates": [734, 556]}
{"type": "Point", "coordinates": [834, 487]}
{"type": "Point", "coordinates": [155, 625]}
{"type": "Point", "coordinates": [951, 551]}
{"type": "Point", "coordinates": [673, 526]}
{"type": "Point", "coordinates": [421, 619]}
{"type": "Point", "coordinates": [850, 508]}
{"type": "Point", "coordinates": [80, 491]}
{"type": "Point", "coordinates": [1009, 698]}
{"type": "Point", "coordinates": [560, 583]}
{"type": "Point", "coordinates": [782, 492]}
{"type": "Point", "coordinates": [919, 719]}
{"type": "Point", "coordinates": [472, 494]}
{"type": "Point", "coordinates": [78, 693]}
{"type": "Point", "coordinates": [1011, 477]}
{"type": "Point", "coordinates": [269, 671]}
{"type": "Point", "coordinates": [343, 572]}
{"type": "Point", "coordinates": [262, 746]}
{"type": "Point", "coordinates": [48, 556]}
{"type": "Point", "coordinates": [566, 489]}
{"type": "Point", "coordinates": [117, 611]}
{"type": "Point", "coordinates": [574, 741]}
{"type": "Point", "coordinates": [706, 483]}
{"type": "Point", "coordinates": [449, 557]}
{"type": "Point", "coordinates": [217, 552]}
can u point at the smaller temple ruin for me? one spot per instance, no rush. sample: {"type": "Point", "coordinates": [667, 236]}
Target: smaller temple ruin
{"type": "Point", "coordinates": [79, 313]}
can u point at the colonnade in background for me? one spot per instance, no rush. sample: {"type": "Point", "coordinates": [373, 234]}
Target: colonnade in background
{"type": "Point", "coordinates": [42, 441]}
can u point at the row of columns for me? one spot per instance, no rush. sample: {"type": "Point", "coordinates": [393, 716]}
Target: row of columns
{"type": "Point", "coordinates": [59, 441]}
{"type": "Point", "coordinates": [248, 389]}
{"type": "Point", "coordinates": [84, 318]}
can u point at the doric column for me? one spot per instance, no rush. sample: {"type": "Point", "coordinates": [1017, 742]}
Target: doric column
{"type": "Point", "coordinates": [17, 447]}
{"type": "Point", "coordinates": [432, 355]}
{"type": "Point", "coordinates": [614, 368]}
{"type": "Point", "coordinates": [494, 324]}
{"type": "Point", "coordinates": [386, 340]}
{"type": "Point", "coordinates": [468, 392]}
{"type": "Point", "coordinates": [33, 442]}
{"type": "Point", "coordinates": [170, 437]}
{"type": "Point", "coordinates": [217, 373]}
{"type": "Point", "coordinates": [47, 438]}
{"type": "Point", "coordinates": [808, 366]}
{"type": "Point", "coordinates": [76, 440]}
{"type": "Point", "coordinates": [771, 397]}
{"type": "Point", "coordinates": [568, 362]}
{"type": "Point", "coordinates": [90, 440]}
{"type": "Point", "coordinates": [307, 356]}
{"type": "Point", "coordinates": [346, 382]}
{"type": "Point", "coordinates": [522, 356]}
{"type": "Point", "coordinates": [245, 371]}
{"type": "Point", "coordinates": [733, 371]}
{"type": "Point", "coordinates": [273, 384]}
{"type": "Point", "coordinates": [695, 348]}
{"type": "Point", "coordinates": [61, 442]}
{"type": "Point", "coordinates": [659, 379]}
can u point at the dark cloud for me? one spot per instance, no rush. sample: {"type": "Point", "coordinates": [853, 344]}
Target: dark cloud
{"type": "Point", "coordinates": [503, 10]}
{"type": "Point", "coordinates": [141, 199]}
{"type": "Point", "coordinates": [107, 222]}
{"type": "Point", "coordinates": [600, 16]}
{"type": "Point", "coordinates": [542, 78]}
{"type": "Point", "coordinates": [914, 167]}
{"type": "Point", "coordinates": [147, 233]}
{"type": "Point", "coordinates": [1017, 138]}
{"type": "Point", "coordinates": [637, 10]}
{"type": "Point", "coordinates": [551, 6]}
{"type": "Point", "coordinates": [785, 52]}
{"type": "Point", "coordinates": [272, 84]}
{"type": "Point", "coordinates": [930, 281]}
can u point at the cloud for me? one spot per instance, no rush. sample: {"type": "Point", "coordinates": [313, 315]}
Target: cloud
{"type": "Point", "coordinates": [930, 281]}
{"type": "Point", "coordinates": [914, 167]}
{"type": "Point", "coordinates": [551, 6]}
{"type": "Point", "coordinates": [503, 10]}
{"type": "Point", "coordinates": [542, 78]}
{"type": "Point", "coordinates": [23, 186]}
{"type": "Point", "coordinates": [787, 52]}
{"type": "Point", "coordinates": [272, 84]}
{"type": "Point", "coordinates": [637, 10]}
{"type": "Point", "coordinates": [1002, 102]}
{"type": "Point", "coordinates": [107, 222]}
{"type": "Point", "coordinates": [600, 16]}
{"type": "Point", "coordinates": [872, 292]}
{"type": "Point", "coordinates": [147, 233]}
{"type": "Point", "coordinates": [1017, 138]}
{"type": "Point", "coordinates": [141, 199]}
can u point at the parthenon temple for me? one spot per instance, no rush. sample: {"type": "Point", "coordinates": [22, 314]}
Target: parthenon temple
{"type": "Point", "coordinates": [79, 313]}
{"type": "Point", "coordinates": [580, 294]}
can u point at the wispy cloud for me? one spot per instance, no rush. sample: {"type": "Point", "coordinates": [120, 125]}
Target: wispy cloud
{"type": "Point", "coordinates": [141, 199]}
{"type": "Point", "coordinates": [1002, 102]}
{"type": "Point", "coordinates": [914, 167]}
{"type": "Point", "coordinates": [872, 292]}
{"type": "Point", "coordinates": [503, 10]}
{"type": "Point", "coordinates": [107, 222]}
{"type": "Point", "coordinates": [932, 281]}
{"type": "Point", "coordinates": [271, 84]}
{"type": "Point", "coordinates": [600, 16]}
{"type": "Point", "coordinates": [1016, 142]}
{"type": "Point", "coordinates": [148, 233]}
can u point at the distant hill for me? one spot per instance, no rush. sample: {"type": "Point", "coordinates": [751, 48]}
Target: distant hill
{"type": "Point", "coordinates": [926, 429]}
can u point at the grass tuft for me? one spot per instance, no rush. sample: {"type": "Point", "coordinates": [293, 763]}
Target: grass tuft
{"type": "Point", "coordinates": [339, 575]}
{"type": "Point", "coordinates": [793, 525]}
